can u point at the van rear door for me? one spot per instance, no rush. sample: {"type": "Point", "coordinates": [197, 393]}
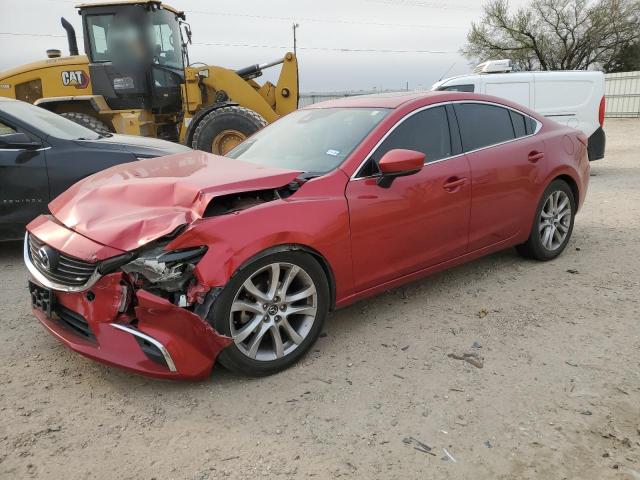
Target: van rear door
{"type": "Point", "coordinates": [568, 98]}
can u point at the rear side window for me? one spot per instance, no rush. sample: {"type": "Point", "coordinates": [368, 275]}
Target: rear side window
{"type": "Point", "coordinates": [458, 88]}
{"type": "Point", "coordinates": [482, 125]}
{"type": "Point", "coordinates": [519, 125]}
{"type": "Point", "coordinates": [426, 131]}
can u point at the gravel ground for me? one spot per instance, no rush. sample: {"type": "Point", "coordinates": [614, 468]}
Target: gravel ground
{"type": "Point", "coordinates": [558, 396]}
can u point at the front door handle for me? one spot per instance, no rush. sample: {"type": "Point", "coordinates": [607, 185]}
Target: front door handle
{"type": "Point", "coordinates": [534, 156]}
{"type": "Point", "coordinates": [452, 184]}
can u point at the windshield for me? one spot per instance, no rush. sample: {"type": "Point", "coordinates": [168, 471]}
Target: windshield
{"type": "Point", "coordinates": [121, 38]}
{"type": "Point", "coordinates": [313, 141]}
{"type": "Point", "coordinates": [47, 122]}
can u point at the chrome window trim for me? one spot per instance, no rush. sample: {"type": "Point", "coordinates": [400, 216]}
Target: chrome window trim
{"type": "Point", "coordinates": [45, 282]}
{"type": "Point", "coordinates": [153, 341]}
{"type": "Point", "coordinates": [439, 104]}
{"type": "Point", "coordinates": [24, 149]}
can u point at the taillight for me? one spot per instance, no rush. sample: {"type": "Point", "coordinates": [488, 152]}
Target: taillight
{"type": "Point", "coordinates": [601, 111]}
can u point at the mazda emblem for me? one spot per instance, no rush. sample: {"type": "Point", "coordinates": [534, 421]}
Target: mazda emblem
{"type": "Point", "coordinates": [44, 258]}
{"type": "Point", "coordinates": [48, 258]}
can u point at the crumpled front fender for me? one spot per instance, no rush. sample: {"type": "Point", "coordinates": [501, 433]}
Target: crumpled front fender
{"type": "Point", "coordinates": [192, 343]}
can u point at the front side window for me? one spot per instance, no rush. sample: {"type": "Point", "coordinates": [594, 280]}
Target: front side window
{"type": "Point", "coordinates": [458, 88]}
{"type": "Point", "coordinates": [426, 131]}
{"type": "Point", "coordinates": [482, 125]}
{"type": "Point", "coordinates": [312, 141]}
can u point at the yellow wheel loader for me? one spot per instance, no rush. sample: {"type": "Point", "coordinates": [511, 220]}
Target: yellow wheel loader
{"type": "Point", "coordinates": [136, 79]}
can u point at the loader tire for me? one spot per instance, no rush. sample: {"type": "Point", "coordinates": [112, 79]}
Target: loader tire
{"type": "Point", "coordinates": [222, 129]}
{"type": "Point", "coordinates": [88, 121]}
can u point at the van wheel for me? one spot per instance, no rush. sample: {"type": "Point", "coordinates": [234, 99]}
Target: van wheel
{"type": "Point", "coordinates": [224, 128]}
{"type": "Point", "coordinates": [553, 223]}
{"type": "Point", "coordinates": [88, 121]}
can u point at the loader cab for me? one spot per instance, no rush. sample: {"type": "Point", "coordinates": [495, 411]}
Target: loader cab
{"type": "Point", "coordinates": [136, 54]}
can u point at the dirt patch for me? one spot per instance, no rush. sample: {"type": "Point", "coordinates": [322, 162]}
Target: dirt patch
{"type": "Point", "coordinates": [378, 397]}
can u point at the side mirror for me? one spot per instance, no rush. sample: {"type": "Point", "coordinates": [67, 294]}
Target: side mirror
{"type": "Point", "coordinates": [399, 163]}
{"type": "Point", "coordinates": [19, 141]}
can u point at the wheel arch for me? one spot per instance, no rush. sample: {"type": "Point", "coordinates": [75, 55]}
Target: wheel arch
{"type": "Point", "coordinates": [573, 185]}
{"type": "Point", "coordinates": [93, 105]}
{"type": "Point", "coordinates": [292, 247]}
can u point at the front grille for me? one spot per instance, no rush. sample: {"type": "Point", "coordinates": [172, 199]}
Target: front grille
{"type": "Point", "coordinates": [73, 321]}
{"type": "Point", "coordinates": [61, 268]}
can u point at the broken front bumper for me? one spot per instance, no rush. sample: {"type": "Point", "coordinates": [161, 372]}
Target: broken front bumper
{"type": "Point", "coordinates": [156, 338]}
{"type": "Point", "coordinates": [163, 340]}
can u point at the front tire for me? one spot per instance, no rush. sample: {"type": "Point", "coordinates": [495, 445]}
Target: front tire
{"type": "Point", "coordinates": [553, 223]}
{"type": "Point", "coordinates": [224, 128]}
{"type": "Point", "coordinates": [274, 309]}
{"type": "Point", "coordinates": [88, 121]}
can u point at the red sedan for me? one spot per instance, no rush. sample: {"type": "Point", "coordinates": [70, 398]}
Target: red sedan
{"type": "Point", "coordinates": [165, 265]}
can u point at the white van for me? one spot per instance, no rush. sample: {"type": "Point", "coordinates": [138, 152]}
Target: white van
{"type": "Point", "coordinates": [574, 98]}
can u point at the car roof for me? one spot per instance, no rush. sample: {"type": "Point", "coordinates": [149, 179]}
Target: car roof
{"type": "Point", "coordinates": [376, 100]}
{"type": "Point", "coordinates": [5, 99]}
{"type": "Point", "coordinates": [396, 100]}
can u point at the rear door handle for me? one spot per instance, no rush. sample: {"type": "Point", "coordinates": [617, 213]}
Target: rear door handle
{"type": "Point", "coordinates": [534, 156]}
{"type": "Point", "coordinates": [452, 183]}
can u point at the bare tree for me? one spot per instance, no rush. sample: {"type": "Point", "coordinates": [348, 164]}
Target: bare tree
{"type": "Point", "coordinates": [555, 34]}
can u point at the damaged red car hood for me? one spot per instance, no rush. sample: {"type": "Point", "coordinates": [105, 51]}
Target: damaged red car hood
{"type": "Point", "coordinates": [131, 204]}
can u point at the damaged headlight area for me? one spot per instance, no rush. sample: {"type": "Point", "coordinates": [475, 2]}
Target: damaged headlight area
{"type": "Point", "coordinates": [168, 274]}
{"type": "Point", "coordinates": [167, 270]}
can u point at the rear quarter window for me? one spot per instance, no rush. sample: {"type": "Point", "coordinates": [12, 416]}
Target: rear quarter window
{"type": "Point", "coordinates": [458, 88]}
{"type": "Point", "coordinates": [519, 124]}
{"type": "Point", "coordinates": [482, 125]}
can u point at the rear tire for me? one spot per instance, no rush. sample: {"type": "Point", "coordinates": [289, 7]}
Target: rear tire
{"type": "Point", "coordinates": [88, 121]}
{"type": "Point", "coordinates": [222, 129]}
{"type": "Point", "coordinates": [272, 326]}
{"type": "Point", "coordinates": [552, 225]}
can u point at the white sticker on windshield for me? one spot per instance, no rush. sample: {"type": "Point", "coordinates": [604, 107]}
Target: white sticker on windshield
{"type": "Point", "coordinates": [375, 112]}
{"type": "Point", "coordinates": [334, 153]}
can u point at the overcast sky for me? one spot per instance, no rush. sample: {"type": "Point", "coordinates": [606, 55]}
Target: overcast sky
{"type": "Point", "coordinates": [397, 34]}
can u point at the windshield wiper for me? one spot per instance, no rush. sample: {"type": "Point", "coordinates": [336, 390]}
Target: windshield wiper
{"type": "Point", "coordinates": [309, 175]}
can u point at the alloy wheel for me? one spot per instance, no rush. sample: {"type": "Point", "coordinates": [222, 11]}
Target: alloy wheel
{"type": "Point", "coordinates": [555, 220]}
{"type": "Point", "coordinates": [273, 311]}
